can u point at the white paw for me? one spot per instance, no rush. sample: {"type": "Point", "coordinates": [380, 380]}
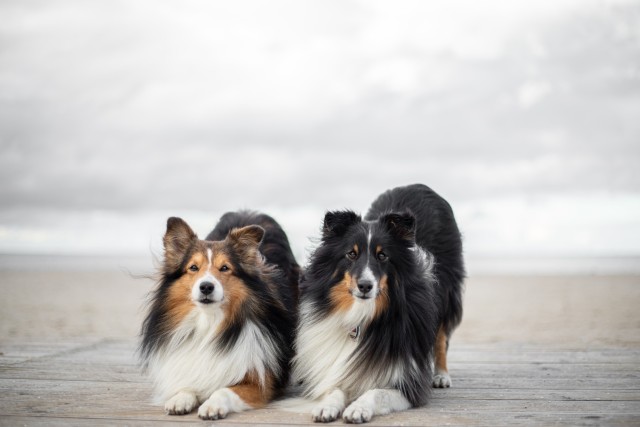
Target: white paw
{"type": "Point", "coordinates": [442, 380]}
{"type": "Point", "coordinates": [357, 414]}
{"type": "Point", "coordinates": [215, 408]}
{"type": "Point", "coordinates": [325, 413]}
{"type": "Point", "coordinates": [182, 403]}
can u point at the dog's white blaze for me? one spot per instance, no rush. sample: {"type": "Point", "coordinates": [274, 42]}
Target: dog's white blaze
{"type": "Point", "coordinates": [191, 361]}
{"type": "Point", "coordinates": [367, 274]}
{"type": "Point", "coordinates": [218, 291]}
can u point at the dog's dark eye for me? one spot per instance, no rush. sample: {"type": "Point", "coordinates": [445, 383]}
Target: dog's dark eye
{"type": "Point", "coordinates": [352, 255]}
{"type": "Point", "coordinates": [224, 268]}
{"type": "Point", "coordinates": [193, 267]}
{"type": "Point", "coordinates": [382, 256]}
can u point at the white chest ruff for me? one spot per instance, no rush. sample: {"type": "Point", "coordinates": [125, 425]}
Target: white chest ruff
{"type": "Point", "coordinates": [192, 360]}
{"type": "Point", "coordinates": [325, 351]}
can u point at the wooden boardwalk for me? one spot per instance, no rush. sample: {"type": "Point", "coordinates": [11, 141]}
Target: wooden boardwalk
{"type": "Point", "coordinates": [98, 382]}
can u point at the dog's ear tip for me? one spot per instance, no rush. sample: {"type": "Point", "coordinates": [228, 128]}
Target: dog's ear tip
{"type": "Point", "coordinates": [336, 222]}
{"type": "Point", "coordinates": [248, 234]}
{"type": "Point", "coordinates": [401, 224]}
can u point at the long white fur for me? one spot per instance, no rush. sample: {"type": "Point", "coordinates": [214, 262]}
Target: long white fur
{"type": "Point", "coordinates": [192, 360]}
{"type": "Point", "coordinates": [323, 349]}
{"type": "Point", "coordinates": [426, 262]}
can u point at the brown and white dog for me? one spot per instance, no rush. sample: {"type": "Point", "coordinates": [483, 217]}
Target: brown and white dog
{"type": "Point", "coordinates": [220, 325]}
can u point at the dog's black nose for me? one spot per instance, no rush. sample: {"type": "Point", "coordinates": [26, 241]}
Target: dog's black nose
{"type": "Point", "coordinates": [206, 288]}
{"type": "Point", "coordinates": [365, 286]}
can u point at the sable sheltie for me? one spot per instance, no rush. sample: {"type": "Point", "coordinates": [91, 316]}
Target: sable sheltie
{"type": "Point", "coordinates": [221, 323]}
{"type": "Point", "coordinates": [379, 301]}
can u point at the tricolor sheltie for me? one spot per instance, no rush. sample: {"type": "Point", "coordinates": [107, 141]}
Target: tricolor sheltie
{"type": "Point", "coordinates": [379, 301]}
{"type": "Point", "coordinates": [220, 327]}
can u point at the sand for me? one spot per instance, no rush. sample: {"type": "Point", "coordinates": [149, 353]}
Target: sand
{"type": "Point", "coordinates": [566, 312]}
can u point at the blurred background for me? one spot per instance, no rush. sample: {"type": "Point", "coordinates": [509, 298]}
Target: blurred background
{"type": "Point", "coordinates": [115, 115]}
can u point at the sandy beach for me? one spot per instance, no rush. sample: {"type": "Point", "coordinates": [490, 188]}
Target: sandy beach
{"type": "Point", "coordinates": [563, 311]}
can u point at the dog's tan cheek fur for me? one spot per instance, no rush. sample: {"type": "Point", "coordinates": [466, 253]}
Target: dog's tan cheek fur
{"type": "Point", "coordinates": [382, 300]}
{"type": "Point", "coordinates": [340, 296]}
{"type": "Point", "coordinates": [178, 303]}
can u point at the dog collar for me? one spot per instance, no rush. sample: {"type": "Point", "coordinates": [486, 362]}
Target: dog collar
{"type": "Point", "coordinates": [354, 333]}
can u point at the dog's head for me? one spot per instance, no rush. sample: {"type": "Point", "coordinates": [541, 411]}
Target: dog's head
{"type": "Point", "coordinates": [208, 274]}
{"type": "Point", "coordinates": [363, 254]}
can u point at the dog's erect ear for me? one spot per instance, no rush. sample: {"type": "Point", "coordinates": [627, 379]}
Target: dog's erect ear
{"type": "Point", "coordinates": [251, 235]}
{"type": "Point", "coordinates": [177, 241]}
{"type": "Point", "coordinates": [336, 223]}
{"type": "Point", "coordinates": [400, 225]}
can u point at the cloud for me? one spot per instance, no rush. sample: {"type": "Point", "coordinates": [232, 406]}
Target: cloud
{"type": "Point", "coordinates": [147, 107]}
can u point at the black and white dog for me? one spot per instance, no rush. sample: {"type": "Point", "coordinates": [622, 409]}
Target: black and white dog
{"type": "Point", "coordinates": [379, 301]}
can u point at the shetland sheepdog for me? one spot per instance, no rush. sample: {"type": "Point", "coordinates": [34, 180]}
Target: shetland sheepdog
{"type": "Point", "coordinates": [378, 303]}
{"type": "Point", "coordinates": [220, 327]}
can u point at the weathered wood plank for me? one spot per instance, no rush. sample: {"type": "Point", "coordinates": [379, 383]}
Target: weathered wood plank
{"type": "Point", "coordinates": [124, 351]}
{"type": "Point", "coordinates": [143, 391]}
{"type": "Point", "coordinates": [17, 351]}
{"type": "Point", "coordinates": [507, 377]}
{"type": "Point", "coordinates": [414, 417]}
{"type": "Point", "coordinates": [120, 349]}
{"type": "Point", "coordinates": [100, 382]}
{"type": "Point", "coordinates": [78, 371]}
{"type": "Point", "coordinates": [99, 400]}
{"type": "Point", "coordinates": [500, 354]}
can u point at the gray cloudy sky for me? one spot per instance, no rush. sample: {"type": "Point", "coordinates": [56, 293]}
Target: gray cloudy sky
{"type": "Point", "coordinates": [117, 114]}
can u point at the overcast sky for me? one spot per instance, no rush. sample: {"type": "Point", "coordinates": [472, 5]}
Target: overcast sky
{"type": "Point", "coordinates": [117, 114]}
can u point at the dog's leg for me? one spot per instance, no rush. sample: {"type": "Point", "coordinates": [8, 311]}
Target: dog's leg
{"type": "Point", "coordinates": [330, 407]}
{"type": "Point", "coordinates": [375, 402]}
{"type": "Point", "coordinates": [182, 403]}
{"type": "Point", "coordinates": [249, 394]}
{"type": "Point", "coordinates": [441, 378]}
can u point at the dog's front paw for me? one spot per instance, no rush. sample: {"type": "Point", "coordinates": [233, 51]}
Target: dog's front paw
{"type": "Point", "coordinates": [215, 408]}
{"type": "Point", "coordinates": [325, 413]}
{"type": "Point", "coordinates": [357, 414]}
{"type": "Point", "coordinates": [442, 380]}
{"type": "Point", "coordinates": [181, 404]}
